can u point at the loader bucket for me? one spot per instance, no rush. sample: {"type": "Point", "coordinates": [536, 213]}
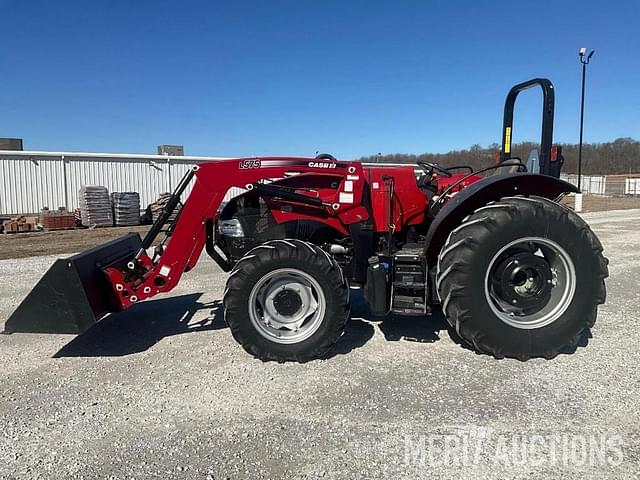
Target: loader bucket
{"type": "Point", "coordinates": [74, 293]}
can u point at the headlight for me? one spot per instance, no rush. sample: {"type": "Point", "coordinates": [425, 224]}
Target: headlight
{"type": "Point", "coordinates": [230, 228]}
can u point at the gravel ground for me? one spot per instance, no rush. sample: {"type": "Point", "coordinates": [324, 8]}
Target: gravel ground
{"type": "Point", "coordinates": [163, 391]}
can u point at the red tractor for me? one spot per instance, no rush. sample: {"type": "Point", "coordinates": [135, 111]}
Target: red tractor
{"type": "Point", "coordinates": [516, 273]}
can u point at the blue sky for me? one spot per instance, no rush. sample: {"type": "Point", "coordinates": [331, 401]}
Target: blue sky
{"type": "Point", "coordinates": [291, 77]}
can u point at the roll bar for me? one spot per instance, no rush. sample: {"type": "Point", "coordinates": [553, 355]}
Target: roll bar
{"type": "Point", "coordinates": [548, 104]}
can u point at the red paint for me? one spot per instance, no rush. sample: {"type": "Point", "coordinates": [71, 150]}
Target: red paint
{"type": "Point", "coordinates": [340, 185]}
{"type": "Point", "coordinates": [409, 202]}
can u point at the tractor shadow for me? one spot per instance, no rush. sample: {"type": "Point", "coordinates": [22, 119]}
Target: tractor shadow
{"type": "Point", "coordinates": [393, 327]}
{"type": "Point", "coordinates": [139, 328]}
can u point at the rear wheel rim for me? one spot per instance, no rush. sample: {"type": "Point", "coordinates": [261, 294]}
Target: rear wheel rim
{"type": "Point", "coordinates": [287, 306]}
{"type": "Point", "coordinates": [530, 282]}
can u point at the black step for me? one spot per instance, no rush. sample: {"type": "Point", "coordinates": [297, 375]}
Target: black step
{"type": "Point", "coordinates": [408, 304]}
{"type": "Point", "coordinates": [407, 258]}
{"type": "Point", "coordinates": [409, 311]}
{"type": "Point", "coordinates": [409, 285]}
{"type": "Point", "coordinates": [413, 285]}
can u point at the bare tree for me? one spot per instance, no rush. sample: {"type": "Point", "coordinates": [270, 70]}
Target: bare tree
{"type": "Point", "coordinates": [622, 156]}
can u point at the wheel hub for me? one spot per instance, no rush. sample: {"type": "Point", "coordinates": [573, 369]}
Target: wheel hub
{"type": "Point", "coordinates": [523, 280]}
{"type": "Point", "coordinates": [287, 305]}
{"type": "Point", "coordinates": [287, 302]}
{"type": "Point", "coordinates": [530, 282]}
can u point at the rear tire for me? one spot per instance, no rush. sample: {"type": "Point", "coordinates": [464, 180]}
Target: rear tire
{"type": "Point", "coordinates": [287, 300]}
{"type": "Point", "coordinates": [522, 278]}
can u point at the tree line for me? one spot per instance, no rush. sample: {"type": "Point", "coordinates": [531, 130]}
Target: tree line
{"type": "Point", "coordinates": [621, 156]}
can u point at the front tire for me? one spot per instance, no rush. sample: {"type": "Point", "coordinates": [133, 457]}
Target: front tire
{"type": "Point", "coordinates": [522, 278]}
{"type": "Point", "coordinates": [286, 300]}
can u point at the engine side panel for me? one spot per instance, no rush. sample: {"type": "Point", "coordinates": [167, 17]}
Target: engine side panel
{"type": "Point", "coordinates": [409, 201]}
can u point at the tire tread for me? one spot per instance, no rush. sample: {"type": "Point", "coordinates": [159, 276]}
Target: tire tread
{"type": "Point", "coordinates": [272, 251]}
{"type": "Point", "coordinates": [457, 256]}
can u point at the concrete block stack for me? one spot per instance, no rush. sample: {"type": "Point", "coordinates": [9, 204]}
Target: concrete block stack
{"type": "Point", "coordinates": [19, 224]}
{"type": "Point", "coordinates": [95, 206]}
{"type": "Point", "coordinates": [57, 220]}
{"type": "Point", "coordinates": [126, 208]}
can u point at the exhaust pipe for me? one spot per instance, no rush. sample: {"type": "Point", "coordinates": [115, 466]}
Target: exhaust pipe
{"type": "Point", "coordinates": [74, 293]}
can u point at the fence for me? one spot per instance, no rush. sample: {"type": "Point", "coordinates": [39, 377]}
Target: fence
{"type": "Point", "coordinates": [613, 185]}
{"type": "Point", "coordinates": [632, 186]}
{"type": "Point", "coordinates": [605, 193]}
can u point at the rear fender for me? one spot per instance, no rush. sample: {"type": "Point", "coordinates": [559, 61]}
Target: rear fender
{"type": "Point", "coordinates": [482, 192]}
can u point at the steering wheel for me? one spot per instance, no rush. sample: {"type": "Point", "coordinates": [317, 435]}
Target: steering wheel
{"type": "Point", "coordinates": [430, 167]}
{"type": "Point", "coordinates": [326, 156]}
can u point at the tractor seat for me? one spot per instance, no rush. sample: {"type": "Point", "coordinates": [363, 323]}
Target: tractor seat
{"type": "Point", "coordinates": [511, 165]}
{"type": "Point", "coordinates": [427, 185]}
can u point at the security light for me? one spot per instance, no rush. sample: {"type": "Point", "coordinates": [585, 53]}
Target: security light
{"type": "Point", "coordinates": [584, 61]}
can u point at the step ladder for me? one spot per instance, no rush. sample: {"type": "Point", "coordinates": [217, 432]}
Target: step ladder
{"type": "Point", "coordinates": [409, 285]}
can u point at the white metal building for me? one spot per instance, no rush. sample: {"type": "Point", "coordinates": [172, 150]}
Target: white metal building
{"type": "Point", "coordinates": [32, 180]}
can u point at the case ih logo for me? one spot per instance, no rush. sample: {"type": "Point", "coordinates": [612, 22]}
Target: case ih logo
{"type": "Point", "coordinates": [322, 164]}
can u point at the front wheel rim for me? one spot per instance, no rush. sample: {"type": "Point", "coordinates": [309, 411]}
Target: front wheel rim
{"type": "Point", "coordinates": [530, 282]}
{"type": "Point", "coordinates": [287, 306]}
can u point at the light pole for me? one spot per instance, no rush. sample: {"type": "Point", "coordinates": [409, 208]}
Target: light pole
{"type": "Point", "coordinates": [584, 61]}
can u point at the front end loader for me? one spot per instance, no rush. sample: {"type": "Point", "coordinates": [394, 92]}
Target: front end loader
{"type": "Point", "coordinates": [515, 273]}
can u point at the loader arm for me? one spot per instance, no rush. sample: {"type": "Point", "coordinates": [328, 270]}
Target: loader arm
{"type": "Point", "coordinates": [145, 276]}
{"type": "Point", "coordinates": [77, 291]}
